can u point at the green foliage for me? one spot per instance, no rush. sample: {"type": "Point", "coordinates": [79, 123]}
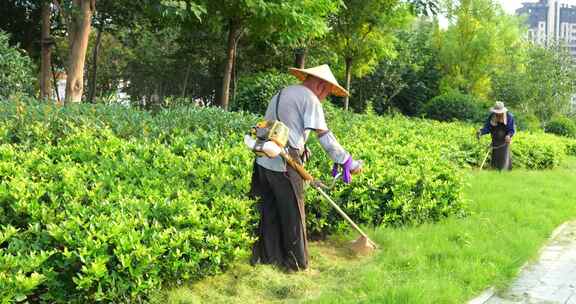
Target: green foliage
{"type": "Point", "coordinates": [113, 58]}
{"type": "Point", "coordinates": [407, 179]}
{"type": "Point", "coordinates": [290, 23]}
{"type": "Point", "coordinates": [539, 82]}
{"type": "Point", "coordinates": [412, 168]}
{"type": "Point", "coordinates": [181, 9]}
{"type": "Point", "coordinates": [405, 82]}
{"type": "Point", "coordinates": [527, 122]}
{"type": "Point", "coordinates": [456, 106]}
{"type": "Point", "coordinates": [363, 31]}
{"type": "Point", "coordinates": [550, 86]}
{"type": "Point", "coordinates": [561, 125]}
{"type": "Point", "coordinates": [570, 147]}
{"type": "Point", "coordinates": [501, 235]}
{"type": "Point", "coordinates": [362, 35]}
{"type": "Point", "coordinates": [534, 151]}
{"type": "Point", "coordinates": [513, 88]}
{"type": "Point", "coordinates": [153, 66]}
{"type": "Point", "coordinates": [425, 7]}
{"type": "Point", "coordinates": [16, 74]}
{"type": "Point", "coordinates": [480, 42]}
{"type": "Point", "coordinates": [255, 91]}
{"type": "Point", "coordinates": [106, 203]}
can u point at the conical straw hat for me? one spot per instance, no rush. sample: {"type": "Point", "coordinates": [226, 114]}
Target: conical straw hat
{"type": "Point", "coordinates": [323, 72]}
{"type": "Point", "coordinates": [498, 108]}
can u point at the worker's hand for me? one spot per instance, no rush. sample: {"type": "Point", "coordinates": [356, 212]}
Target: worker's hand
{"type": "Point", "coordinates": [349, 167]}
{"type": "Point", "coordinates": [508, 139]}
{"type": "Point", "coordinates": [356, 166]}
{"type": "Point", "coordinates": [268, 148]}
{"type": "Point", "coordinates": [306, 155]}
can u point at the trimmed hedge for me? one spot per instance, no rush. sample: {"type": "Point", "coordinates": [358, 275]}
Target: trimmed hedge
{"type": "Point", "coordinates": [562, 126]}
{"type": "Point", "coordinates": [104, 203]}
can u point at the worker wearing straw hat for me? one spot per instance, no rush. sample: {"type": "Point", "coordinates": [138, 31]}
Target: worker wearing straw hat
{"type": "Point", "coordinates": [500, 125]}
{"type": "Point", "coordinates": [278, 187]}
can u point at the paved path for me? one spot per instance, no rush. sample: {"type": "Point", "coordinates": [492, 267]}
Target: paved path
{"type": "Point", "coordinates": [552, 279]}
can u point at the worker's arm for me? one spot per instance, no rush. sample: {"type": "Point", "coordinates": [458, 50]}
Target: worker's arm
{"type": "Point", "coordinates": [487, 126]}
{"type": "Point", "coordinates": [336, 152]}
{"type": "Point", "coordinates": [510, 125]}
{"type": "Point", "coordinates": [313, 116]}
{"type": "Point", "coordinates": [510, 128]}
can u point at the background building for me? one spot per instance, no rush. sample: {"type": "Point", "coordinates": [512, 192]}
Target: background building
{"type": "Point", "coordinates": [549, 21]}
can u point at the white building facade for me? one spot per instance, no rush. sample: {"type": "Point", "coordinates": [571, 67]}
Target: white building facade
{"type": "Point", "coordinates": [550, 21]}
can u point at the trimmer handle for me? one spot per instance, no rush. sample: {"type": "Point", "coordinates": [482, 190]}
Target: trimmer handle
{"type": "Point", "coordinates": [299, 168]}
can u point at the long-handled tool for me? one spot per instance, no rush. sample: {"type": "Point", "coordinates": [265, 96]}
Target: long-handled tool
{"type": "Point", "coordinates": [485, 158]}
{"type": "Point", "coordinates": [490, 149]}
{"type": "Point", "coordinates": [362, 245]}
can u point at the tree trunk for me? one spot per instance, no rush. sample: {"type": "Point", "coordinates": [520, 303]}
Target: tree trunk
{"type": "Point", "coordinates": [79, 32]}
{"type": "Point", "coordinates": [55, 83]}
{"type": "Point", "coordinates": [348, 80]}
{"type": "Point", "coordinates": [92, 86]}
{"type": "Point", "coordinates": [233, 36]}
{"type": "Point", "coordinates": [186, 78]}
{"type": "Point", "coordinates": [46, 65]}
{"type": "Point", "coordinates": [217, 84]}
{"type": "Point", "coordinates": [300, 57]}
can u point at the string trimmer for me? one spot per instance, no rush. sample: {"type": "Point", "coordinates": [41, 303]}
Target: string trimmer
{"type": "Point", "coordinates": [269, 138]}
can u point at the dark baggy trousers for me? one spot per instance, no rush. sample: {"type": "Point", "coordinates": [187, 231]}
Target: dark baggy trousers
{"type": "Point", "coordinates": [281, 230]}
{"type": "Point", "coordinates": [501, 156]}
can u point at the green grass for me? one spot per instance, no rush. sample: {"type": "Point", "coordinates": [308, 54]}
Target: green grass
{"type": "Point", "coordinates": [448, 262]}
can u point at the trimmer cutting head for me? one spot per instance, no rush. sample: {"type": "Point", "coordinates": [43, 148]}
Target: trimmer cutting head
{"type": "Point", "coordinates": [363, 246]}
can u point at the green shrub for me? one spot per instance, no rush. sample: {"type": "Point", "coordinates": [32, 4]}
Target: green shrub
{"type": "Point", "coordinates": [562, 126]}
{"type": "Point", "coordinates": [537, 151]}
{"type": "Point", "coordinates": [106, 203]}
{"type": "Point", "coordinates": [571, 148]}
{"type": "Point", "coordinates": [255, 91]}
{"type": "Point", "coordinates": [456, 106]}
{"type": "Point", "coordinates": [407, 179]}
{"type": "Point", "coordinates": [527, 122]}
{"type": "Point", "coordinates": [570, 145]}
{"type": "Point", "coordinates": [16, 74]}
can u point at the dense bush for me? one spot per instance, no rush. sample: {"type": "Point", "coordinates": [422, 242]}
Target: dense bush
{"type": "Point", "coordinates": [537, 151]}
{"type": "Point", "coordinates": [255, 91]}
{"type": "Point", "coordinates": [16, 75]}
{"type": "Point", "coordinates": [456, 106]}
{"type": "Point", "coordinates": [527, 122]}
{"type": "Point", "coordinates": [562, 126]}
{"type": "Point", "coordinates": [105, 203]}
{"type": "Point", "coordinates": [570, 147]}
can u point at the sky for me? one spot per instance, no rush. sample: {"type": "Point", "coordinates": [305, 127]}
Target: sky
{"type": "Point", "coordinates": [510, 6]}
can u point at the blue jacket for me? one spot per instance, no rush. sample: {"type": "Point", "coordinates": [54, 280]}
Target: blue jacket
{"type": "Point", "coordinates": [510, 126]}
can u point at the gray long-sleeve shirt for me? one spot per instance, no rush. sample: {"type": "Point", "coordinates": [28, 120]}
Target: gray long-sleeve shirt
{"type": "Point", "coordinates": [301, 111]}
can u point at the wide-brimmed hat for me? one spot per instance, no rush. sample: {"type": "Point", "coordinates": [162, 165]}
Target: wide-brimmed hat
{"type": "Point", "coordinates": [498, 108]}
{"type": "Point", "coordinates": [323, 72]}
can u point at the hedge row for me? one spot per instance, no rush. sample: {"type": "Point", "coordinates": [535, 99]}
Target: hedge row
{"type": "Point", "coordinates": [107, 204]}
{"type": "Point", "coordinates": [93, 209]}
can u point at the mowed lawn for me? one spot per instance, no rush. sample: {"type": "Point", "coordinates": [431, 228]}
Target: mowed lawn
{"type": "Point", "coordinates": [512, 215]}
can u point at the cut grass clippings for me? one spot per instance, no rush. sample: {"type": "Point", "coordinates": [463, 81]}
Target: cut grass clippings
{"type": "Point", "coordinates": [513, 214]}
